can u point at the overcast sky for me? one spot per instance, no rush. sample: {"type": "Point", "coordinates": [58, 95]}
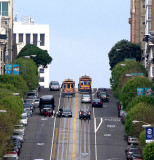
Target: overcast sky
{"type": "Point", "coordinates": [82, 33]}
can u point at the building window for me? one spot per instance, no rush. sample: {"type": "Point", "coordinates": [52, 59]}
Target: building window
{"type": "Point", "coordinates": [4, 8]}
{"type": "Point", "coordinates": [41, 79]}
{"type": "Point", "coordinates": [27, 38]}
{"type": "Point", "coordinates": [20, 38]}
{"type": "Point", "coordinates": [41, 70]}
{"type": "Point", "coordinates": [14, 37]}
{"type": "Point", "coordinates": [35, 39]}
{"type": "Point", "coordinates": [42, 39]}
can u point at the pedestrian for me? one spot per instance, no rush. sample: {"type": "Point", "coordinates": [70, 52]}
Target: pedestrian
{"type": "Point", "coordinates": [119, 108]}
{"type": "Point", "coordinates": [53, 113]}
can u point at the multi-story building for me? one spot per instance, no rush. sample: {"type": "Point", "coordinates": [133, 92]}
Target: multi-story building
{"type": "Point", "coordinates": [27, 32]}
{"type": "Point", "coordinates": [137, 24]}
{"type": "Point", "coordinates": [6, 33]}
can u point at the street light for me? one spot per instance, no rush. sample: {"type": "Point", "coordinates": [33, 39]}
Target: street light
{"type": "Point", "coordinates": [143, 126]}
{"type": "Point", "coordinates": [123, 65]}
{"type": "Point", "coordinates": [3, 111]}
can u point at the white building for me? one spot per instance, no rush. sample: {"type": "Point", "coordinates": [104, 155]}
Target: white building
{"type": "Point", "coordinates": [27, 32]}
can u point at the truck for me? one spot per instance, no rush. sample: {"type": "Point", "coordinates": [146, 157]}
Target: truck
{"type": "Point", "coordinates": [46, 103]}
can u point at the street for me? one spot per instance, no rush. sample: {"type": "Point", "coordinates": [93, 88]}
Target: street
{"type": "Point", "coordinates": [100, 138]}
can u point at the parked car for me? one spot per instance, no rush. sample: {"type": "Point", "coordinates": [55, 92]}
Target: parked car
{"type": "Point", "coordinates": [97, 103]}
{"type": "Point", "coordinates": [19, 128]}
{"type": "Point", "coordinates": [36, 103]}
{"type": "Point", "coordinates": [65, 112]}
{"type": "Point", "coordinates": [132, 140]}
{"type": "Point", "coordinates": [132, 151]}
{"type": "Point", "coordinates": [54, 86]}
{"type": "Point", "coordinates": [86, 98]}
{"type": "Point", "coordinates": [104, 97]}
{"type": "Point", "coordinates": [33, 93]}
{"type": "Point", "coordinates": [99, 90]}
{"type": "Point", "coordinates": [24, 118]}
{"type": "Point", "coordinates": [84, 113]}
{"type": "Point", "coordinates": [17, 142]}
{"type": "Point", "coordinates": [28, 111]}
{"type": "Point", "coordinates": [131, 146]}
{"type": "Point", "coordinates": [18, 135]}
{"type": "Point", "coordinates": [30, 101]}
{"type": "Point", "coordinates": [28, 106]}
{"type": "Point", "coordinates": [11, 156]}
{"type": "Point", "coordinates": [136, 156]}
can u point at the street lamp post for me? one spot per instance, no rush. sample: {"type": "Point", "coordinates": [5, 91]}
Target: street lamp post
{"type": "Point", "coordinates": [143, 126]}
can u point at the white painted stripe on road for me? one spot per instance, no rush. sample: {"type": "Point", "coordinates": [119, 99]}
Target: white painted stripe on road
{"type": "Point", "coordinates": [96, 129]}
{"type": "Point", "coordinates": [54, 128]}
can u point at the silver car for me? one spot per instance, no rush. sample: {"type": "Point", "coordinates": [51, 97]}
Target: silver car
{"type": "Point", "coordinates": [18, 135]}
{"type": "Point", "coordinates": [86, 98]}
{"type": "Point", "coordinates": [19, 128]}
{"type": "Point", "coordinates": [30, 101]}
{"type": "Point", "coordinates": [54, 86]}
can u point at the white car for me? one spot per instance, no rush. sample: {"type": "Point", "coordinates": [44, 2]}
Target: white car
{"type": "Point", "coordinates": [24, 118]}
{"type": "Point", "coordinates": [132, 140]}
{"type": "Point", "coordinates": [11, 156]}
{"type": "Point", "coordinates": [19, 128]}
{"type": "Point", "coordinates": [36, 103]}
{"type": "Point", "coordinates": [86, 98]}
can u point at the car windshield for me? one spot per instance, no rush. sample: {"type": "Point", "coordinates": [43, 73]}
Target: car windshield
{"type": "Point", "coordinates": [66, 110]}
{"type": "Point", "coordinates": [103, 94]}
{"type": "Point", "coordinates": [27, 105]}
{"type": "Point", "coordinates": [23, 117]}
{"type": "Point", "coordinates": [96, 100]}
{"type": "Point", "coordinates": [54, 83]}
{"type": "Point", "coordinates": [86, 95]}
{"type": "Point", "coordinates": [47, 106]}
{"type": "Point", "coordinates": [28, 101]}
{"type": "Point", "coordinates": [135, 150]}
{"type": "Point", "coordinates": [30, 97]}
{"type": "Point", "coordinates": [19, 127]}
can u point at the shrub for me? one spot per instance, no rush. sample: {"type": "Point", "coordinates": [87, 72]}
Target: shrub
{"type": "Point", "coordinates": [149, 151]}
{"type": "Point", "coordinates": [29, 72]}
{"type": "Point", "coordinates": [129, 90]}
{"type": "Point", "coordinates": [17, 81]}
{"type": "Point", "coordinates": [141, 112]}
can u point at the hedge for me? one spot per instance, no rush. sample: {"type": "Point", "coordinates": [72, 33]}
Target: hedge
{"type": "Point", "coordinates": [149, 151]}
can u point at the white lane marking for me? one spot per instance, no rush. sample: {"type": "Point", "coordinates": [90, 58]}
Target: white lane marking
{"type": "Point", "coordinates": [96, 129]}
{"type": "Point", "coordinates": [43, 119]}
{"type": "Point", "coordinates": [95, 140]}
{"type": "Point", "coordinates": [54, 128]}
{"type": "Point", "coordinates": [111, 126]}
{"type": "Point", "coordinates": [40, 144]}
{"type": "Point", "coordinates": [107, 135]}
{"type": "Point", "coordinates": [95, 92]}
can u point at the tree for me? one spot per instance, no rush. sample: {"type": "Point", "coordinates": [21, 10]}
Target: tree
{"type": "Point", "coordinates": [29, 72]}
{"type": "Point", "coordinates": [123, 49]}
{"type": "Point", "coordinates": [129, 90]}
{"type": "Point", "coordinates": [118, 78]}
{"type": "Point", "coordinates": [42, 56]}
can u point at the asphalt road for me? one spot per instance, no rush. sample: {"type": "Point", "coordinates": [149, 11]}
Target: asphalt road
{"type": "Point", "coordinates": [100, 138]}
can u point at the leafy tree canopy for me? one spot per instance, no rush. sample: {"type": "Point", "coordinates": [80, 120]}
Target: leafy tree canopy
{"type": "Point", "coordinates": [29, 72]}
{"type": "Point", "coordinates": [149, 151]}
{"type": "Point", "coordinates": [118, 78]}
{"type": "Point", "coordinates": [129, 90]}
{"type": "Point", "coordinates": [42, 56]}
{"type": "Point", "coordinates": [123, 49]}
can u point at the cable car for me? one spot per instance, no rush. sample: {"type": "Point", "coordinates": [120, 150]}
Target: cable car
{"type": "Point", "coordinates": [68, 87]}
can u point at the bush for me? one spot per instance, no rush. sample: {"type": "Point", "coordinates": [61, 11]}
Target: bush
{"type": "Point", "coordinates": [138, 99]}
{"type": "Point", "coordinates": [129, 90]}
{"type": "Point", "coordinates": [29, 72]}
{"type": "Point", "coordinates": [149, 151]}
{"type": "Point", "coordinates": [142, 140]}
{"type": "Point", "coordinates": [17, 81]}
{"type": "Point", "coordinates": [141, 112]}
{"type": "Point", "coordinates": [118, 78]}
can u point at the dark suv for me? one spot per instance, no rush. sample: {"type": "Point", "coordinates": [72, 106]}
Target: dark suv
{"type": "Point", "coordinates": [84, 114]}
{"type": "Point", "coordinates": [104, 97]}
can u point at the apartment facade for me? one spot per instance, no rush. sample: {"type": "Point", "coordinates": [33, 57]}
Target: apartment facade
{"type": "Point", "coordinates": [6, 33]}
{"type": "Point", "coordinates": [137, 24]}
{"type": "Point", "coordinates": [27, 32]}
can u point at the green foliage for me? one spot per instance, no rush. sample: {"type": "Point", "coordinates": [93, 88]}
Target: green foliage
{"type": "Point", "coordinates": [13, 106]}
{"type": "Point", "coordinates": [149, 151]}
{"type": "Point", "coordinates": [129, 90]}
{"type": "Point", "coordinates": [141, 112]}
{"type": "Point", "coordinates": [118, 78]}
{"type": "Point", "coordinates": [126, 50]}
{"type": "Point", "coordinates": [142, 140]}
{"type": "Point", "coordinates": [42, 56]}
{"type": "Point", "coordinates": [17, 81]}
{"type": "Point", "coordinates": [29, 72]}
{"type": "Point", "coordinates": [138, 99]}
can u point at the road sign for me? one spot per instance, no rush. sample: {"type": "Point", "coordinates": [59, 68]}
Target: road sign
{"type": "Point", "coordinates": [9, 69]}
{"type": "Point", "coordinates": [149, 134]}
{"type": "Point", "coordinates": [15, 69]}
{"type": "Point", "coordinates": [139, 91]}
{"type": "Point", "coordinates": [148, 91]}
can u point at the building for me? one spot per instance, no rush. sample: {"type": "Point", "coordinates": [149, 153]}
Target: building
{"type": "Point", "coordinates": [6, 33]}
{"type": "Point", "coordinates": [27, 32]}
{"type": "Point", "coordinates": [137, 24]}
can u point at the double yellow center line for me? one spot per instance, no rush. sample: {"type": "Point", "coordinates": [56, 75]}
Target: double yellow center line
{"type": "Point", "coordinates": [74, 129]}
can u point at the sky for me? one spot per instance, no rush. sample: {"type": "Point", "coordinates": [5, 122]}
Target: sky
{"type": "Point", "coordinates": [82, 32]}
